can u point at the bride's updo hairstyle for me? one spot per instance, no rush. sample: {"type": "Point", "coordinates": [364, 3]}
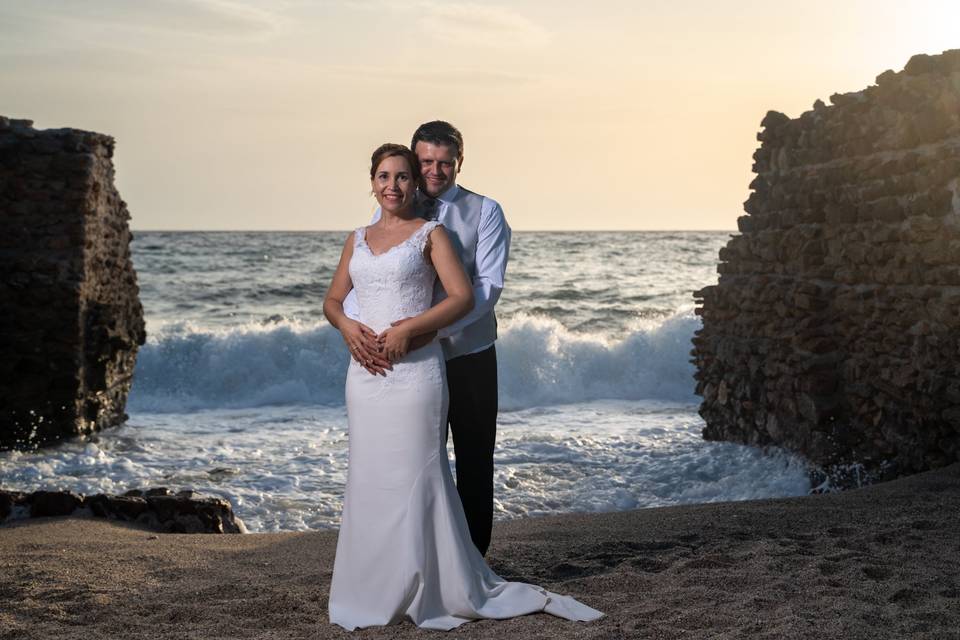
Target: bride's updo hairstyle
{"type": "Point", "coordinates": [390, 149]}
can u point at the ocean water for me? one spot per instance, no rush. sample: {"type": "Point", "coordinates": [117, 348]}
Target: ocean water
{"type": "Point", "coordinates": [238, 391]}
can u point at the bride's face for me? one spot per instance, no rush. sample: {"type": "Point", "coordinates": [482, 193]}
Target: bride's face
{"type": "Point", "coordinates": [393, 184]}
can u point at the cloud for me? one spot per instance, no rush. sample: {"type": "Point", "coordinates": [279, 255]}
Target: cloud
{"type": "Point", "coordinates": [205, 18]}
{"type": "Point", "coordinates": [216, 17]}
{"type": "Point", "coordinates": [467, 76]}
{"type": "Point", "coordinates": [465, 23]}
{"type": "Point", "coordinates": [483, 25]}
{"type": "Point", "coordinates": [66, 60]}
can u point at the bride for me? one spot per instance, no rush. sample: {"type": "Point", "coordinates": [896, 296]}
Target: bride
{"type": "Point", "coordinates": [404, 547]}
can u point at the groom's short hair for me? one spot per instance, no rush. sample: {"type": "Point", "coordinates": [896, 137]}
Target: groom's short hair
{"type": "Point", "coordinates": [439, 132]}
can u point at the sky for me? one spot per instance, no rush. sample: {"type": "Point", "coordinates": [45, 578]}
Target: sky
{"type": "Point", "coordinates": [621, 115]}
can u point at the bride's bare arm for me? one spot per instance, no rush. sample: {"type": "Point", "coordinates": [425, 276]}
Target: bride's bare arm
{"type": "Point", "coordinates": [458, 303]}
{"type": "Point", "coordinates": [361, 340]}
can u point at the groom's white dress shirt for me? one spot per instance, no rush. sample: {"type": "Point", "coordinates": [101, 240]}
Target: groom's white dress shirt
{"type": "Point", "coordinates": [490, 265]}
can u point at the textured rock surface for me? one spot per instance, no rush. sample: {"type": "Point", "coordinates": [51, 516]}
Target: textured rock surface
{"type": "Point", "coordinates": [72, 320]}
{"type": "Point", "coordinates": [834, 329]}
{"type": "Point", "coordinates": [159, 509]}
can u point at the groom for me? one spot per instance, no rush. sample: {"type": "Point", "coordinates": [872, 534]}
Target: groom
{"type": "Point", "coordinates": [480, 232]}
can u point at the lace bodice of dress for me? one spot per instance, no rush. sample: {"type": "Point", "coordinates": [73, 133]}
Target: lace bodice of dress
{"type": "Point", "coordinates": [395, 284]}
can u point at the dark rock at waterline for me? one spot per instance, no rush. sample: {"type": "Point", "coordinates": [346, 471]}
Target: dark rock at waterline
{"type": "Point", "coordinates": [834, 327]}
{"type": "Point", "coordinates": [7, 501]}
{"type": "Point", "coordinates": [54, 503]}
{"type": "Point", "coordinates": [72, 320]}
{"type": "Point", "coordinates": [158, 508]}
{"type": "Point", "coordinates": [122, 507]}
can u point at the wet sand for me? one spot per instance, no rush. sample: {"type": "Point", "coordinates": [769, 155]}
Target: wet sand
{"type": "Point", "coordinates": [877, 562]}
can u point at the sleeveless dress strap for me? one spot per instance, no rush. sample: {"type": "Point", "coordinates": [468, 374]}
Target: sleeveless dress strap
{"type": "Point", "coordinates": [358, 236]}
{"type": "Point", "coordinates": [421, 235]}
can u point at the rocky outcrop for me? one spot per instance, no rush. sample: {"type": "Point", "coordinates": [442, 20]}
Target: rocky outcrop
{"type": "Point", "coordinates": [834, 329]}
{"type": "Point", "coordinates": [72, 320]}
{"type": "Point", "coordinates": [158, 509]}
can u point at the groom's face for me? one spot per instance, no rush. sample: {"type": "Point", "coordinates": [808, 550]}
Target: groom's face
{"type": "Point", "coordinates": [439, 165]}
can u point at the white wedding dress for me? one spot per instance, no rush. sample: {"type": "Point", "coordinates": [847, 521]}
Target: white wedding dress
{"type": "Point", "coordinates": [404, 548]}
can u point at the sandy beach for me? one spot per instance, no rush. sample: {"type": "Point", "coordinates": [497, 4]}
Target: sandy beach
{"type": "Point", "coordinates": [878, 562]}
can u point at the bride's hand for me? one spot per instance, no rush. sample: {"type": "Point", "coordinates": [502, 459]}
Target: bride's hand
{"type": "Point", "coordinates": [416, 342]}
{"type": "Point", "coordinates": [363, 346]}
{"type": "Point", "coordinates": [395, 342]}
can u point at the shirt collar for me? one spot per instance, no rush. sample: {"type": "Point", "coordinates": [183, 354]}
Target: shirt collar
{"type": "Point", "coordinates": [429, 208]}
{"type": "Point", "coordinates": [450, 194]}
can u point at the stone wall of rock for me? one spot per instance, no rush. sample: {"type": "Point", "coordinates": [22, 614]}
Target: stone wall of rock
{"type": "Point", "coordinates": [159, 509]}
{"type": "Point", "coordinates": [72, 319]}
{"type": "Point", "coordinates": [834, 329]}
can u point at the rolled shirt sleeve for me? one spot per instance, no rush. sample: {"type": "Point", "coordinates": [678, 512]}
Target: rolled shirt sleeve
{"type": "Point", "coordinates": [493, 249]}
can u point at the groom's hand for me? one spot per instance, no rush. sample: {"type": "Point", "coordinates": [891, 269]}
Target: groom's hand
{"type": "Point", "coordinates": [419, 341]}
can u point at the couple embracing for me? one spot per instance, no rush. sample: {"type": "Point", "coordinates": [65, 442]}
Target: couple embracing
{"type": "Point", "coordinates": [413, 297]}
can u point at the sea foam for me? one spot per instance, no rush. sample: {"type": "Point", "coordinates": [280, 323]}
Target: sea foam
{"type": "Point", "coordinates": [186, 368]}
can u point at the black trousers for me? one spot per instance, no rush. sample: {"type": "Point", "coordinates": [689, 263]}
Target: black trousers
{"type": "Point", "coordinates": [472, 417]}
